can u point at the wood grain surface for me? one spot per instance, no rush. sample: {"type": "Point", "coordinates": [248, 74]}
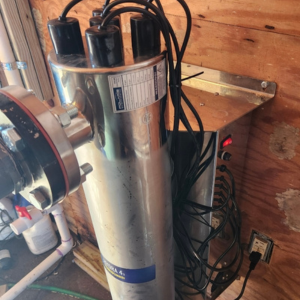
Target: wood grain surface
{"type": "Point", "coordinates": [22, 53]}
{"type": "Point", "coordinates": [232, 36]}
{"type": "Point", "coordinates": [35, 48]}
{"type": "Point", "coordinates": [89, 259]}
{"type": "Point", "coordinates": [270, 15]}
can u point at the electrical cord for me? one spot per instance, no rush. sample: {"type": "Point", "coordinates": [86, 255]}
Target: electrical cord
{"type": "Point", "coordinates": [64, 13]}
{"type": "Point", "coordinates": [53, 271]}
{"type": "Point", "coordinates": [5, 224]}
{"type": "Point", "coordinates": [254, 259]}
{"type": "Point", "coordinates": [226, 205]}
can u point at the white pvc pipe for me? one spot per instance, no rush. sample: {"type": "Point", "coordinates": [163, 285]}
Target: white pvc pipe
{"type": "Point", "coordinates": [7, 56]}
{"type": "Point", "coordinates": [62, 250]}
{"type": "Point", "coordinates": [21, 224]}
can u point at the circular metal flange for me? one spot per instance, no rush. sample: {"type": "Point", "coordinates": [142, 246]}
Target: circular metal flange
{"type": "Point", "coordinates": [35, 160]}
{"type": "Point", "coordinates": [52, 131]}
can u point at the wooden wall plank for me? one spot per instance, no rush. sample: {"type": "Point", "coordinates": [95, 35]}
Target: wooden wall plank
{"type": "Point", "coordinates": [273, 154]}
{"type": "Point", "coordinates": [269, 15]}
{"type": "Point", "coordinates": [81, 216]}
{"type": "Point", "coordinates": [68, 210]}
{"type": "Point", "coordinates": [35, 48]}
{"type": "Point", "coordinates": [18, 39]}
{"type": "Point", "coordinates": [3, 79]}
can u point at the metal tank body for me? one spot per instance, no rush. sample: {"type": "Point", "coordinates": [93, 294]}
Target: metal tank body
{"type": "Point", "coordinates": [129, 191]}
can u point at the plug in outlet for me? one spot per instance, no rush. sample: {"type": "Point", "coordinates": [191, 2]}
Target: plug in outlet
{"type": "Point", "coordinates": [262, 244]}
{"type": "Point", "coordinates": [216, 221]}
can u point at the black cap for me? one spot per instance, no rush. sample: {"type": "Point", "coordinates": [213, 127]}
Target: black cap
{"type": "Point", "coordinates": [105, 46]}
{"type": "Point", "coordinates": [97, 12]}
{"type": "Point", "coordinates": [145, 33]}
{"type": "Point", "coordinates": [66, 36]}
{"type": "Point", "coordinates": [98, 21]}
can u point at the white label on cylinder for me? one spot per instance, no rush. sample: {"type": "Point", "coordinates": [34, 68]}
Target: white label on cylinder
{"type": "Point", "coordinates": [42, 242]}
{"type": "Point", "coordinates": [4, 254]}
{"type": "Point", "coordinates": [136, 89]}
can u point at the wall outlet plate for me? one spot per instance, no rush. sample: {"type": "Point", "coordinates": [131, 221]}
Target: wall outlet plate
{"type": "Point", "coordinates": [262, 244]}
{"type": "Point", "coordinates": [216, 221]}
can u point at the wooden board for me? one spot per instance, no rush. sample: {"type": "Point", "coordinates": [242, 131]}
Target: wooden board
{"type": "Point", "coordinates": [35, 48]}
{"type": "Point", "coordinates": [269, 15]}
{"type": "Point", "coordinates": [3, 79]}
{"type": "Point", "coordinates": [81, 216]}
{"type": "Point", "coordinates": [242, 49]}
{"type": "Point", "coordinates": [26, 47]}
{"type": "Point", "coordinates": [90, 257]}
{"type": "Point", "coordinates": [18, 39]}
{"type": "Point", "coordinates": [94, 275]}
{"type": "Point", "coordinates": [69, 213]}
{"type": "Point", "coordinates": [3, 289]}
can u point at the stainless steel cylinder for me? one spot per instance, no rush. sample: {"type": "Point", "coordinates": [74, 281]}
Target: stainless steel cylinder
{"type": "Point", "coordinates": [129, 190]}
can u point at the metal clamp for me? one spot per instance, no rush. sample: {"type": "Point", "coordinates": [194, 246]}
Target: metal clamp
{"type": "Point", "coordinates": [8, 66]}
{"type": "Point", "coordinates": [21, 65]}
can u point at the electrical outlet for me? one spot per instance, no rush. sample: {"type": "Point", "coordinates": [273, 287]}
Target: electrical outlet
{"type": "Point", "coordinates": [262, 244]}
{"type": "Point", "coordinates": [216, 221]}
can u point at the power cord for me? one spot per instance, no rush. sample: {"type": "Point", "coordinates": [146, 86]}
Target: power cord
{"type": "Point", "coordinates": [254, 259]}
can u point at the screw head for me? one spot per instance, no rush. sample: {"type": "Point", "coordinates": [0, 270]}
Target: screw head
{"type": "Point", "coordinates": [61, 115]}
{"type": "Point", "coordinates": [31, 91]}
{"type": "Point", "coordinates": [72, 110]}
{"type": "Point", "coordinates": [12, 140]}
{"type": "Point", "coordinates": [90, 86]}
{"type": "Point", "coordinates": [264, 84]}
{"type": "Point", "coordinates": [85, 169]}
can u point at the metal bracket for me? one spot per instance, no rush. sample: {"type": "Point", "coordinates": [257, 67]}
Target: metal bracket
{"type": "Point", "coordinates": [233, 86]}
{"type": "Point", "coordinates": [21, 65]}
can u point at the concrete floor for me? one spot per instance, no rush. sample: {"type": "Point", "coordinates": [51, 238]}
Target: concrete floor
{"type": "Point", "coordinates": [69, 276]}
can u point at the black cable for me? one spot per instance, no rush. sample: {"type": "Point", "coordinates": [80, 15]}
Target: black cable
{"type": "Point", "coordinates": [234, 224]}
{"type": "Point", "coordinates": [5, 225]}
{"type": "Point", "coordinates": [254, 258]}
{"type": "Point", "coordinates": [106, 3]}
{"type": "Point", "coordinates": [67, 9]}
{"type": "Point", "coordinates": [192, 76]}
{"type": "Point", "coordinates": [53, 271]}
{"type": "Point", "coordinates": [244, 285]}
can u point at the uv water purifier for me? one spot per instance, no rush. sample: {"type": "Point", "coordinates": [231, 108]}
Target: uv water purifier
{"type": "Point", "coordinates": [158, 196]}
{"type": "Point", "coordinates": [129, 190]}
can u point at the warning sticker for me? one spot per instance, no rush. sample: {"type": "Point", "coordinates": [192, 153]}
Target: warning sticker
{"type": "Point", "coordinates": [137, 89]}
{"type": "Point", "coordinates": [130, 275]}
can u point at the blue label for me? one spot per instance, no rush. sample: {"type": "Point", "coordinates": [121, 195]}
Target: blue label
{"type": "Point", "coordinates": [130, 275]}
{"type": "Point", "coordinates": [155, 82]}
{"type": "Point", "coordinates": [119, 100]}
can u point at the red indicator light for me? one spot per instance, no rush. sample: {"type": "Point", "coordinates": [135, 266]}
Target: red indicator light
{"type": "Point", "coordinates": [226, 142]}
